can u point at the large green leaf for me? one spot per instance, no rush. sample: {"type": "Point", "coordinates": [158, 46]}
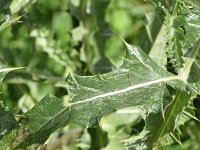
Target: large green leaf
{"type": "Point", "coordinates": [96, 96]}
{"type": "Point", "coordinates": [139, 82]}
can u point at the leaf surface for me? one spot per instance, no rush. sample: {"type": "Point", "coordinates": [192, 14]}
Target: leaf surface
{"type": "Point", "coordinates": [161, 130]}
{"type": "Point", "coordinates": [95, 96]}
{"type": "Point", "coordinates": [139, 82]}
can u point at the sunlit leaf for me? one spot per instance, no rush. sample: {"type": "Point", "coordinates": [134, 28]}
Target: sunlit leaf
{"type": "Point", "coordinates": [111, 91]}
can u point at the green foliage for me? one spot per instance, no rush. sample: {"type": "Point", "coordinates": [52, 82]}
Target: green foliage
{"type": "Point", "coordinates": [7, 120]}
{"type": "Point", "coordinates": [142, 98]}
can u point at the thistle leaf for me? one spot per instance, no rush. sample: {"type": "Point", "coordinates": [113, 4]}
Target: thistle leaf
{"type": "Point", "coordinates": [95, 96]}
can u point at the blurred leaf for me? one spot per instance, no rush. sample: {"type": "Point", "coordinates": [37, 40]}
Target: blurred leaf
{"type": "Point", "coordinates": [5, 15]}
{"type": "Point", "coordinates": [4, 4]}
{"type": "Point", "coordinates": [17, 5]}
{"type": "Point", "coordinates": [85, 141]}
{"type": "Point", "coordinates": [94, 33]}
{"type": "Point", "coordinates": [4, 70]}
{"type": "Point", "coordinates": [111, 122]}
{"type": "Point", "coordinates": [115, 144]}
{"type": "Point", "coordinates": [119, 130]}
{"type": "Point", "coordinates": [8, 22]}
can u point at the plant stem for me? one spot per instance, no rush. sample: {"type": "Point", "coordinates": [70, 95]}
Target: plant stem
{"type": "Point", "coordinates": [184, 72]}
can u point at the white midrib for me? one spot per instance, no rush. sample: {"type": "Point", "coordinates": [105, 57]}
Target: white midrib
{"type": "Point", "coordinates": [120, 91]}
{"type": "Point", "coordinates": [6, 70]}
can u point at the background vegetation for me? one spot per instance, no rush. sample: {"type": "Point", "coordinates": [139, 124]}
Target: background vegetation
{"type": "Point", "coordinates": [53, 38]}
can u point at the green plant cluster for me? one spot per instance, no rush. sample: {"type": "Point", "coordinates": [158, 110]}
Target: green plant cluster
{"type": "Point", "coordinates": [70, 80]}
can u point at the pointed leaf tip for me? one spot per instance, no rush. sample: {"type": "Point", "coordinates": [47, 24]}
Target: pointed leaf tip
{"type": "Point", "coordinates": [4, 71]}
{"type": "Point", "coordinates": [71, 81]}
